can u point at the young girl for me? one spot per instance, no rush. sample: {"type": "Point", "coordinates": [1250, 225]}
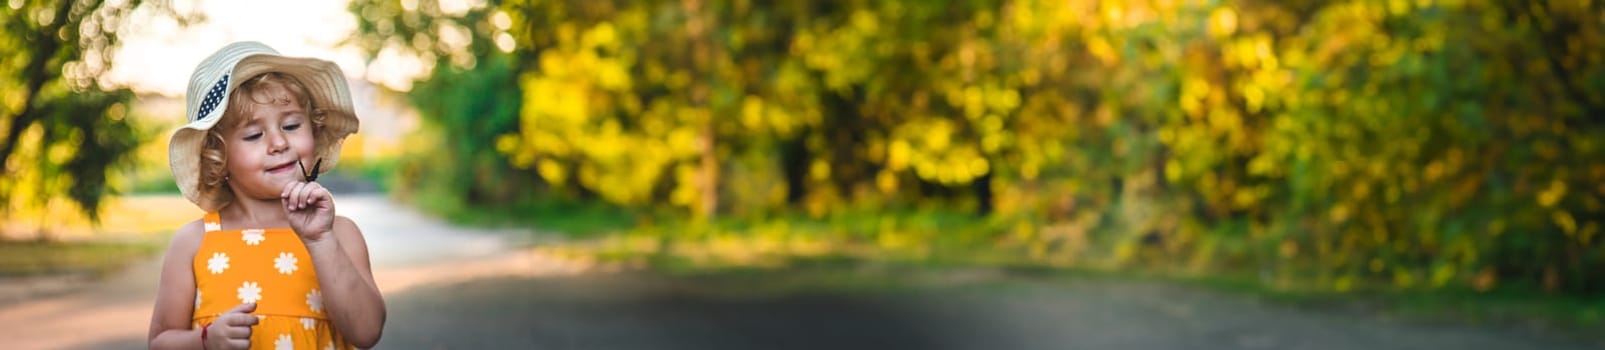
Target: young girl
{"type": "Point", "coordinates": [270, 265]}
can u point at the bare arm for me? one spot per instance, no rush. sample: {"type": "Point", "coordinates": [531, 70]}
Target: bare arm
{"type": "Point", "coordinates": [351, 298]}
{"type": "Point", "coordinates": [340, 255]}
{"type": "Point", "coordinates": [175, 293]}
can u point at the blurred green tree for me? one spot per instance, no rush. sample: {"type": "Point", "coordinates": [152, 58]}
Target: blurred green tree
{"type": "Point", "coordinates": [472, 90]}
{"type": "Point", "coordinates": [61, 128]}
{"type": "Point", "coordinates": [1401, 144]}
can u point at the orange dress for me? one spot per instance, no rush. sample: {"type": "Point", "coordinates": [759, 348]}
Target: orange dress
{"type": "Point", "coordinates": [270, 267]}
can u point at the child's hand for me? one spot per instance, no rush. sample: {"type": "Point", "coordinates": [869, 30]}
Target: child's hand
{"type": "Point", "coordinates": [232, 329]}
{"type": "Point", "coordinates": [310, 208]}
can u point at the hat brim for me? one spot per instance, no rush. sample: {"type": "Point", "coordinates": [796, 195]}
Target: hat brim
{"type": "Point", "coordinates": [325, 84]}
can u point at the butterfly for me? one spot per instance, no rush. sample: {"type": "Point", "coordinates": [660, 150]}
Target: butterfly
{"type": "Point", "coordinates": [313, 176]}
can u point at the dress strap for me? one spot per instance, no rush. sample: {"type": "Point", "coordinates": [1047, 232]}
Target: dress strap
{"type": "Point", "coordinates": [213, 222]}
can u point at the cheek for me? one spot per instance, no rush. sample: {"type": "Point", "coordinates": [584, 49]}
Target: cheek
{"type": "Point", "coordinates": [304, 141]}
{"type": "Point", "coordinates": [241, 156]}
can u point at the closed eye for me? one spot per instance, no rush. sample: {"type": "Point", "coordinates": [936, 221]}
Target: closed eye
{"type": "Point", "coordinates": [253, 137]}
{"type": "Point", "coordinates": [292, 127]}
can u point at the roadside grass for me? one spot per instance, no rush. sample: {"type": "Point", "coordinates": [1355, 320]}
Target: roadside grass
{"type": "Point", "coordinates": [1573, 316]}
{"type": "Point", "coordinates": [35, 258]}
{"type": "Point", "coordinates": [571, 219]}
{"type": "Point", "coordinates": [1566, 316]}
{"type": "Point", "coordinates": [153, 185]}
{"type": "Point", "coordinates": [57, 239]}
{"type": "Point", "coordinates": [835, 251]}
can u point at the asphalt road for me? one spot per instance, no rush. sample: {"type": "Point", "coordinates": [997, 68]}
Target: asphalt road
{"type": "Point", "coordinates": [459, 288]}
{"type": "Point", "coordinates": [941, 310]}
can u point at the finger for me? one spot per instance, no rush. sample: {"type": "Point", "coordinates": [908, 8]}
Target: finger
{"type": "Point", "coordinates": [234, 319]}
{"type": "Point", "coordinates": [285, 194]}
{"type": "Point", "coordinates": [240, 344]}
{"type": "Point", "coordinates": [289, 198]}
{"type": "Point", "coordinates": [318, 193]}
{"type": "Point", "coordinates": [289, 194]}
{"type": "Point", "coordinates": [298, 199]}
{"type": "Point", "coordinates": [239, 319]}
{"type": "Point", "coordinates": [243, 308]}
{"type": "Point", "coordinates": [235, 332]}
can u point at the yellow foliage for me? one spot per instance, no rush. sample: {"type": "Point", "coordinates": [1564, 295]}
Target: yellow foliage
{"type": "Point", "coordinates": [1442, 274]}
{"type": "Point", "coordinates": [1342, 129]}
{"type": "Point", "coordinates": [1564, 220]}
{"type": "Point", "coordinates": [685, 189]}
{"type": "Point", "coordinates": [887, 182]}
{"type": "Point", "coordinates": [1100, 48]}
{"type": "Point", "coordinates": [552, 171]}
{"type": "Point", "coordinates": [1343, 284]}
{"type": "Point", "coordinates": [1553, 194]}
{"type": "Point", "coordinates": [1339, 213]}
{"type": "Point", "coordinates": [898, 155]}
{"type": "Point", "coordinates": [1222, 22]}
{"type": "Point", "coordinates": [819, 170]}
{"type": "Point", "coordinates": [752, 110]}
{"type": "Point", "coordinates": [1402, 278]}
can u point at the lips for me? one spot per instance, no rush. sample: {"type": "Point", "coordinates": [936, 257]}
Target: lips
{"type": "Point", "coordinates": [282, 168]}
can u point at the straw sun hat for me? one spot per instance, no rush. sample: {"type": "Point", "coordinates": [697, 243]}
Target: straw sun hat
{"type": "Point", "coordinates": [217, 76]}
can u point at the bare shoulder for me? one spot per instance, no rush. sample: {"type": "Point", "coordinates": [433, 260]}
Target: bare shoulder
{"type": "Point", "coordinates": [188, 237]}
{"type": "Point", "coordinates": [355, 245]}
{"type": "Point", "coordinates": [348, 231]}
{"type": "Point", "coordinates": [345, 226]}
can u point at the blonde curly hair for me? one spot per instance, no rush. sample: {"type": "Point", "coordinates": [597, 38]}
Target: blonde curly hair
{"type": "Point", "coordinates": [267, 88]}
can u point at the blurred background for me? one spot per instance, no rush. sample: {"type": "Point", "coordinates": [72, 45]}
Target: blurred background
{"type": "Point", "coordinates": [903, 174]}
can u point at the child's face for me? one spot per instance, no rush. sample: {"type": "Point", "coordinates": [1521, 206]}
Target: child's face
{"type": "Point", "coordinates": [262, 151]}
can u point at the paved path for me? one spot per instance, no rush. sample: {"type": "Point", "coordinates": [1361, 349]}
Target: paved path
{"type": "Point", "coordinates": [644, 311]}
{"type": "Point", "coordinates": [407, 249]}
{"type": "Point", "coordinates": [455, 288]}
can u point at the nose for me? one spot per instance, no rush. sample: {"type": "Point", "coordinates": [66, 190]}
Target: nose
{"type": "Point", "coordinates": [277, 142]}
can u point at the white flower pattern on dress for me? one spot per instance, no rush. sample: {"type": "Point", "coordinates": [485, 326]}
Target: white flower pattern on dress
{"type": "Point", "coordinates": [217, 263]}
{"type": "Point", "coordinates": [250, 292]}
{"type": "Point", "coordinates": [283, 343]}
{"type": "Point", "coordinates": [252, 236]}
{"type": "Point", "coordinates": [315, 301]}
{"type": "Point", "coordinates": [285, 263]}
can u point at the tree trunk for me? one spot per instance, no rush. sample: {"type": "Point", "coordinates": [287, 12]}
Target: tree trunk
{"type": "Point", "coordinates": [983, 194]}
{"type": "Point", "coordinates": [701, 57]}
{"type": "Point", "coordinates": [794, 165]}
{"type": "Point", "coordinates": [709, 172]}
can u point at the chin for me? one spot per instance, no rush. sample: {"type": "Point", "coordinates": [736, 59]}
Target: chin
{"type": "Point", "coordinates": [274, 184]}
